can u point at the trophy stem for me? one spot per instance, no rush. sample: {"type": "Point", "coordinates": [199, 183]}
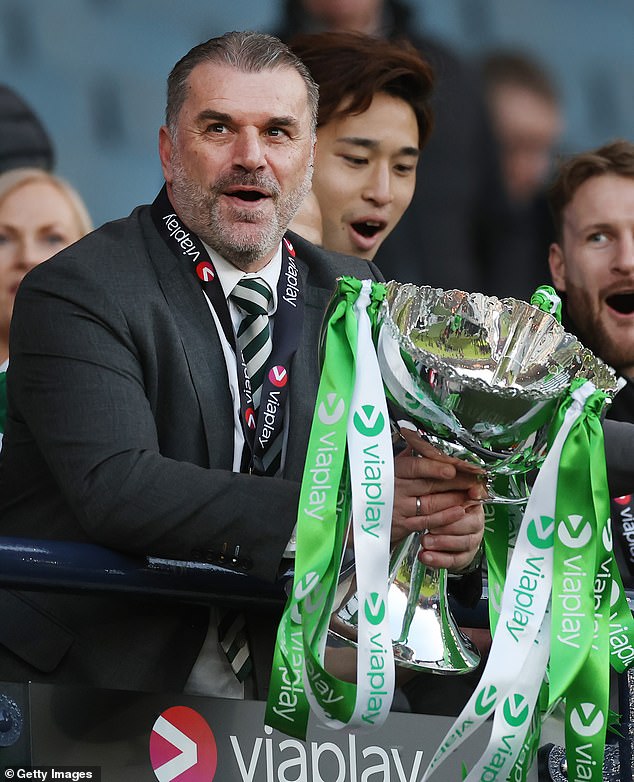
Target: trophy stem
{"type": "Point", "coordinates": [424, 633]}
{"type": "Point", "coordinates": [425, 636]}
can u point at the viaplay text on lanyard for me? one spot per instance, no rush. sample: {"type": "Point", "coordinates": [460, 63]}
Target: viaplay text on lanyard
{"type": "Point", "coordinates": [261, 433]}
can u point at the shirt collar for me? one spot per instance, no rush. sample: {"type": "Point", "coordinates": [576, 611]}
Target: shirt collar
{"type": "Point", "coordinates": [229, 276]}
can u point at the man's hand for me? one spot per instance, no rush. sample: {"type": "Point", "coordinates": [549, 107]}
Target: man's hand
{"type": "Point", "coordinates": [439, 494]}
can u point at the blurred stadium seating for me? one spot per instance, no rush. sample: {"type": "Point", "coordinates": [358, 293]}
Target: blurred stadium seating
{"type": "Point", "coordinates": [95, 70]}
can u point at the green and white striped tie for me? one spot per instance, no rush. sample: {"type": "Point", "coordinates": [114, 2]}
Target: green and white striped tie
{"type": "Point", "coordinates": [253, 296]}
{"type": "Point", "coordinates": [232, 635]}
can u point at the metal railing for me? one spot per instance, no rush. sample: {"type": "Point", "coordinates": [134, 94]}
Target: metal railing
{"type": "Point", "coordinates": [35, 564]}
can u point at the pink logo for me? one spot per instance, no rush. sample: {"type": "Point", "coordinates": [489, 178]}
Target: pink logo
{"type": "Point", "coordinates": [249, 417]}
{"type": "Point", "coordinates": [278, 376]}
{"type": "Point", "coordinates": [205, 271]}
{"type": "Point", "coordinates": [289, 247]}
{"type": "Point", "coordinates": [183, 747]}
{"type": "Point", "coordinates": [625, 500]}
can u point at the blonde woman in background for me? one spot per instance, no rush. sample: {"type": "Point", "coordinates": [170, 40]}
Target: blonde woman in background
{"type": "Point", "coordinates": [40, 214]}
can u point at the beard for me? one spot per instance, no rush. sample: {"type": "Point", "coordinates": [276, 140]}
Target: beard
{"type": "Point", "coordinates": [612, 345]}
{"type": "Point", "coordinates": [242, 237]}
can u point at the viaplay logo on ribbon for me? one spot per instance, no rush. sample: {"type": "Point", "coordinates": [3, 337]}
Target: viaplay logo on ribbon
{"type": "Point", "coordinates": [249, 417]}
{"type": "Point", "coordinates": [309, 591]}
{"type": "Point", "coordinates": [573, 532]}
{"type": "Point", "coordinates": [374, 609]}
{"type": "Point", "coordinates": [183, 747]}
{"type": "Point", "coordinates": [486, 700]}
{"type": "Point", "coordinates": [331, 410]}
{"type": "Point", "coordinates": [515, 710]}
{"type": "Point", "coordinates": [368, 421]}
{"type": "Point", "coordinates": [289, 247]}
{"type": "Point", "coordinates": [541, 532]}
{"type": "Point", "coordinates": [606, 537]}
{"type": "Point", "coordinates": [587, 719]}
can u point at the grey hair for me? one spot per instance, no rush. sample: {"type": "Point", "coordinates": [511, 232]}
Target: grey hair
{"type": "Point", "coordinates": [250, 52]}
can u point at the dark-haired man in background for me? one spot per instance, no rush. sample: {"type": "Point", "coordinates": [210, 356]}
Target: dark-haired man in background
{"type": "Point", "coordinates": [446, 236]}
{"type": "Point", "coordinates": [373, 123]}
{"type": "Point", "coordinates": [374, 119]}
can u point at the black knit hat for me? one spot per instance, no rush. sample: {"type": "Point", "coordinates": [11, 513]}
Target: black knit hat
{"type": "Point", "coordinates": [23, 139]}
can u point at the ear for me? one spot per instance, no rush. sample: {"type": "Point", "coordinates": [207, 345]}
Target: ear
{"type": "Point", "coordinates": [165, 152]}
{"type": "Point", "coordinates": [557, 266]}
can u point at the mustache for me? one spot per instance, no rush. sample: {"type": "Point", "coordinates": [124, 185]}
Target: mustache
{"type": "Point", "coordinates": [266, 184]}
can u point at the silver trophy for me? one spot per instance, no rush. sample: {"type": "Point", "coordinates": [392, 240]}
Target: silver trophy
{"type": "Point", "coordinates": [481, 378]}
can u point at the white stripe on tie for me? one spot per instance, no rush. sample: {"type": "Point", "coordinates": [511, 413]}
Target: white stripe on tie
{"type": "Point", "coordinates": [253, 296]}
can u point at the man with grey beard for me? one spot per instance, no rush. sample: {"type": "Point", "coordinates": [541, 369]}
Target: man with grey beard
{"type": "Point", "coordinates": [162, 383]}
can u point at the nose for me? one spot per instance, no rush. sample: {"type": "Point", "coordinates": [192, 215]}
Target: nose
{"type": "Point", "coordinates": [624, 257]}
{"type": "Point", "coordinates": [249, 150]}
{"type": "Point", "coordinates": [30, 254]}
{"type": "Point", "coordinates": [378, 188]}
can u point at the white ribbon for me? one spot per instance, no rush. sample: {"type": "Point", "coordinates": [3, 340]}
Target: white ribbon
{"type": "Point", "coordinates": [525, 602]}
{"type": "Point", "coordinates": [372, 485]}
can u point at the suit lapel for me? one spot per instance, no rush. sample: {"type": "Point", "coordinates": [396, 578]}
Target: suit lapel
{"type": "Point", "coordinates": [205, 359]}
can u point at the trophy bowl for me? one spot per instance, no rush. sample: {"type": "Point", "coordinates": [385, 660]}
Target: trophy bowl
{"type": "Point", "coordinates": [481, 376]}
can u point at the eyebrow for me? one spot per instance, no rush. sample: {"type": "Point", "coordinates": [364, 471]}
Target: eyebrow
{"type": "Point", "coordinates": [591, 226]}
{"type": "Point", "coordinates": [368, 143]}
{"type": "Point", "coordinates": [226, 119]}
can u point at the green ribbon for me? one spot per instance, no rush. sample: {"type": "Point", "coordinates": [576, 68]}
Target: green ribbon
{"type": "Point", "coordinates": [546, 298]}
{"type": "Point", "coordinates": [322, 522]}
{"type": "Point", "coordinates": [501, 525]}
{"type": "Point", "coordinates": [581, 514]}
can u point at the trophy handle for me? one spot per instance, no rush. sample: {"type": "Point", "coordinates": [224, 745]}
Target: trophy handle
{"type": "Point", "coordinates": [425, 636]}
{"type": "Point", "coordinates": [516, 491]}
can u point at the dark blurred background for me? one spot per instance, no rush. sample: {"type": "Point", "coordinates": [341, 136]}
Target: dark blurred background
{"type": "Point", "coordinates": [95, 70]}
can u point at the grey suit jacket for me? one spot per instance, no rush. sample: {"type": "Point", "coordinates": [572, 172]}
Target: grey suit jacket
{"type": "Point", "coordinates": [120, 432]}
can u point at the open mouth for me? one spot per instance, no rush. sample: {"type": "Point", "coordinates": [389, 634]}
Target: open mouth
{"type": "Point", "coordinates": [368, 228]}
{"type": "Point", "coordinates": [248, 195]}
{"type": "Point", "coordinates": [621, 302]}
